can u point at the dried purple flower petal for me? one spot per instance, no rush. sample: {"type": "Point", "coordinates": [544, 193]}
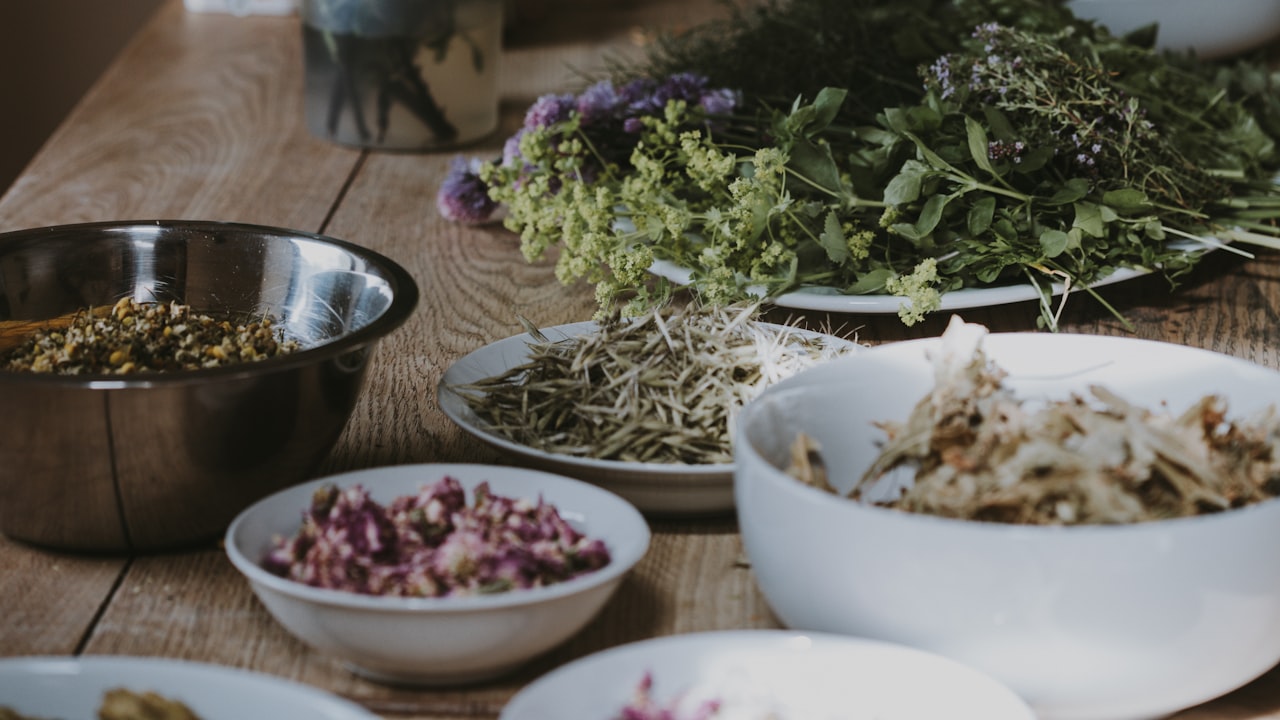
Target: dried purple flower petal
{"type": "Point", "coordinates": [433, 544]}
{"type": "Point", "coordinates": [463, 196]}
{"type": "Point", "coordinates": [549, 110]}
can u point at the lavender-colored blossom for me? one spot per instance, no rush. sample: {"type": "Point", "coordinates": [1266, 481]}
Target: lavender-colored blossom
{"type": "Point", "coordinates": [637, 94]}
{"type": "Point", "coordinates": [463, 196]}
{"type": "Point", "coordinates": [549, 110]}
{"type": "Point", "coordinates": [685, 86]}
{"type": "Point", "coordinates": [940, 74]}
{"type": "Point", "coordinates": [598, 103]}
{"type": "Point", "coordinates": [719, 101]}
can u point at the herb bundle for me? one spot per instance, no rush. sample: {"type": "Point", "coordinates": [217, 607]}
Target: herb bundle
{"type": "Point", "coordinates": [954, 144]}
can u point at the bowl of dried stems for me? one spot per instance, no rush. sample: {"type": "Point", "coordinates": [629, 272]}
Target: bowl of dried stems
{"type": "Point", "coordinates": [1087, 519]}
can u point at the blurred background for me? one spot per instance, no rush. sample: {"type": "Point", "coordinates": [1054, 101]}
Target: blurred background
{"type": "Point", "coordinates": [51, 52]}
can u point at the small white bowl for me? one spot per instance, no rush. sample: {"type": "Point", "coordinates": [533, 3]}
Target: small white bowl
{"type": "Point", "coordinates": [1210, 29]}
{"type": "Point", "coordinates": [800, 676]}
{"type": "Point", "coordinates": [449, 640]}
{"type": "Point", "coordinates": [1121, 621]}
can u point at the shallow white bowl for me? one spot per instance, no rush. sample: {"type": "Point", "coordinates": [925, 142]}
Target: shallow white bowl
{"type": "Point", "coordinates": [73, 687]}
{"type": "Point", "coordinates": [810, 676]}
{"type": "Point", "coordinates": [1083, 622]}
{"type": "Point", "coordinates": [665, 489]}
{"type": "Point", "coordinates": [1211, 29]}
{"type": "Point", "coordinates": [450, 640]}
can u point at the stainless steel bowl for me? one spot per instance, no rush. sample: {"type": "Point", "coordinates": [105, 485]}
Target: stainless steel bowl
{"type": "Point", "coordinates": [110, 463]}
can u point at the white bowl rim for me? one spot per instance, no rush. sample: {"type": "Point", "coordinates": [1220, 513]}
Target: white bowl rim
{"type": "Point", "coordinates": [816, 495]}
{"type": "Point", "coordinates": [756, 638]}
{"type": "Point", "coordinates": [621, 560]}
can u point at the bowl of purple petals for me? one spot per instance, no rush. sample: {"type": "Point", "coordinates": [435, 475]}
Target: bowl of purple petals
{"type": "Point", "coordinates": [437, 574]}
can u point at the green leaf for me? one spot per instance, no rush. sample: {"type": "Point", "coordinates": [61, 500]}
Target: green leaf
{"type": "Point", "coordinates": [1053, 242]}
{"type": "Point", "coordinates": [931, 214]}
{"type": "Point", "coordinates": [1089, 219]}
{"type": "Point", "coordinates": [871, 282]}
{"type": "Point", "coordinates": [826, 106]}
{"type": "Point", "coordinates": [1033, 160]}
{"type": "Point", "coordinates": [1071, 191]}
{"type": "Point", "coordinates": [833, 240]}
{"type": "Point", "coordinates": [906, 230]}
{"type": "Point", "coordinates": [978, 144]}
{"type": "Point", "coordinates": [980, 215]}
{"type": "Point", "coordinates": [897, 120]}
{"type": "Point", "coordinates": [999, 124]}
{"type": "Point", "coordinates": [1127, 200]}
{"type": "Point", "coordinates": [905, 186]}
{"type": "Point", "coordinates": [814, 162]}
{"type": "Point", "coordinates": [932, 158]}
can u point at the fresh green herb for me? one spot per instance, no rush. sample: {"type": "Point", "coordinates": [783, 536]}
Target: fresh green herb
{"type": "Point", "coordinates": [1036, 148]}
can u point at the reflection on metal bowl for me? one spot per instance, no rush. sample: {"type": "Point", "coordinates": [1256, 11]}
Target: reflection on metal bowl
{"type": "Point", "coordinates": [109, 463]}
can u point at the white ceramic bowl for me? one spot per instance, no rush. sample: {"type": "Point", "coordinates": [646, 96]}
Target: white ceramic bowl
{"type": "Point", "coordinates": [810, 676]}
{"type": "Point", "coordinates": [1211, 29]}
{"type": "Point", "coordinates": [449, 640]}
{"type": "Point", "coordinates": [1094, 622]}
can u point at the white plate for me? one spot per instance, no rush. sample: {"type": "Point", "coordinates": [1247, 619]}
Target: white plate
{"type": "Point", "coordinates": [657, 488]}
{"type": "Point", "coordinates": [67, 688]}
{"type": "Point", "coordinates": [807, 676]}
{"type": "Point", "coordinates": [826, 299]}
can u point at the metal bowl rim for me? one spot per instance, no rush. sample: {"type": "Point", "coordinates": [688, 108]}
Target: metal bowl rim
{"type": "Point", "coordinates": [404, 300]}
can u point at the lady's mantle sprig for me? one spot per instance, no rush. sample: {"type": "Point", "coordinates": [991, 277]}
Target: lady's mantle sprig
{"type": "Point", "coordinates": [590, 133]}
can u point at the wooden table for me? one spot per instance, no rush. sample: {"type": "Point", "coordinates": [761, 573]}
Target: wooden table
{"type": "Point", "coordinates": [201, 118]}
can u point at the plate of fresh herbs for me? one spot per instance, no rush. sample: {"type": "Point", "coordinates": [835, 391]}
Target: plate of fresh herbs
{"type": "Point", "coordinates": [641, 406]}
{"type": "Point", "coordinates": [914, 155]}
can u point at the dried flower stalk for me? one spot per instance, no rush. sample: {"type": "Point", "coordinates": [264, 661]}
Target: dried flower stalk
{"type": "Point", "coordinates": [660, 388]}
{"type": "Point", "coordinates": [980, 453]}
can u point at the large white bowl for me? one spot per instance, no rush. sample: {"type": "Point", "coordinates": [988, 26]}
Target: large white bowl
{"type": "Point", "coordinates": [1091, 622]}
{"type": "Point", "coordinates": [802, 676]}
{"type": "Point", "coordinates": [1211, 29]}
{"type": "Point", "coordinates": [449, 640]}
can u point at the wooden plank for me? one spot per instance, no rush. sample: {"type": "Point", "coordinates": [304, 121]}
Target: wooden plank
{"type": "Point", "coordinates": [199, 118]}
{"type": "Point", "coordinates": [51, 599]}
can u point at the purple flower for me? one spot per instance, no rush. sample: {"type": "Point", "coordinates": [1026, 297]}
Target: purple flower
{"type": "Point", "coordinates": [638, 94]}
{"type": "Point", "coordinates": [463, 196]}
{"type": "Point", "coordinates": [598, 103]}
{"type": "Point", "coordinates": [720, 101]}
{"type": "Point", "coordinates": [549, 110]}
{"type": "Point", "coordinates": [681, 86]}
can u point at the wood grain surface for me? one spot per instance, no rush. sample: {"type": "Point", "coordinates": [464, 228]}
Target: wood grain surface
{"type": "Point", "coordinates": [201, 118]}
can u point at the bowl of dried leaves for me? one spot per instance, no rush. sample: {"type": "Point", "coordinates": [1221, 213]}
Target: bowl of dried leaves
{"type": "Point", "coordinates": [1087, 519]}
{"type": "Point", "coordinates": [641, 406]}
{"type": "Point", "coordinates": [169, 373]}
